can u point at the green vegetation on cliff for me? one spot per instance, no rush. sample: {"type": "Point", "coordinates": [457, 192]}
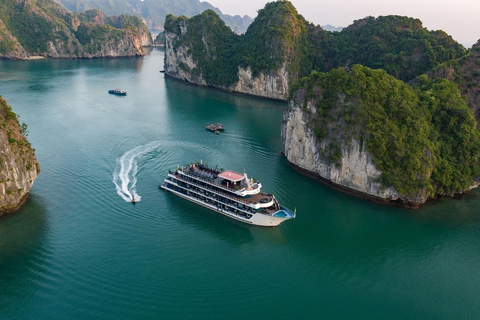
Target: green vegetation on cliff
{"type": "Point", "coordinates": [399, 45]}
{"type": "Point", "coordinates": [278, 35]}
{"type": "Point", "coordinates": [43, 27]}
{"type": "Point", "coordinates": [465, 72]}
{"type": "Point", "coordinates": [422, 138]}
{"type": "Point", "coordinates": [212, 44]}
{"type": "Point", "coordinates": [18, 165]}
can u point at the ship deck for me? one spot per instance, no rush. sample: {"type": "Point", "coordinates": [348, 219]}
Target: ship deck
{"type": "Point", "coordinates": [211, 175]}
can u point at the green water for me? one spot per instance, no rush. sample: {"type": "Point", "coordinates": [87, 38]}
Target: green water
{"type": "Point", "coordinates": [77, 250]}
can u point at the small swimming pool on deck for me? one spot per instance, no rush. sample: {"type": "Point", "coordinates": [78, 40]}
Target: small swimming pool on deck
{"type": "Point", "coordinates": [284, 213]}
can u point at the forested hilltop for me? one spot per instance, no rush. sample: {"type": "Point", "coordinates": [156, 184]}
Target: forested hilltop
{"type": "Point", "coordinates": [399, 45]}
{"type": "Point", "coordinates": [44, 28]}
{"type": "Point", "coordinates": [465, 72]}
{"type": "Point", "coordinates": [353, 120]}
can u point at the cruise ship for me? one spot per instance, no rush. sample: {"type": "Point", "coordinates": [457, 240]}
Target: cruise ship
{"type": "Point", "coordinates": [227, 192]}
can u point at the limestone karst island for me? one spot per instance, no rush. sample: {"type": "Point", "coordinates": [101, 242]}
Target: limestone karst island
{"type": "Point", "coordinates": [239, 160]}
{"type": "Point", "coordinates": [369, 109]}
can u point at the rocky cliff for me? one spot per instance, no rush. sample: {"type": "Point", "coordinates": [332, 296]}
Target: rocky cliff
{"type": "Point", "coordinates": [180, 64]}
{"type": "Point", "coordinates": [44, 28]}
{"type": "Point", "coordinates": [18, 165]}
{"type": "Point", "coordinates": [372, 135]}
{"type": "Point", "coordinates": [355, 173]}
{"type": "Point", "coordinates": [203, 51]}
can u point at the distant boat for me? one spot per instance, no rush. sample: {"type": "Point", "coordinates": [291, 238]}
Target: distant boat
{"type": "Point", "coordinates": [118, 92]}
{"type": "Point", "coordinates": [214, 127]}
{"type": "Point", "coordinates": [162, 71]}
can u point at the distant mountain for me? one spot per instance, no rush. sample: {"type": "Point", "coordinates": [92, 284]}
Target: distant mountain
{"type": "Point", "coordinates": [155, 11]}
{"type": "Point", "coordinates": [331, 28]}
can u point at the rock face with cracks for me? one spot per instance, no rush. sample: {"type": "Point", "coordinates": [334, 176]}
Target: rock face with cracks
{"type": "Point", "coordinates": [18, 165]}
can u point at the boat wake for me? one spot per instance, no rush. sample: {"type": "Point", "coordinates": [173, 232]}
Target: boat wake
{"type": "Point", "coordinates": [125, 174]}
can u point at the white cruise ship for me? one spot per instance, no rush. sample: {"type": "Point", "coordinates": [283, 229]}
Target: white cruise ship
{"type": "Point", "coordinates": [229, 193]}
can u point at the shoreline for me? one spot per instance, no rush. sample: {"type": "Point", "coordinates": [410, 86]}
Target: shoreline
{"type": "Point", "coordinates": [358, 194]}
{"type": "Point", "coordinates": [223, 89]}
{"type": "Point", "coordinates": [35, 58]}
{"type": "Point", "coordinates": [353, 192]}
{"type": "Point", "coordinates": [12, 209]}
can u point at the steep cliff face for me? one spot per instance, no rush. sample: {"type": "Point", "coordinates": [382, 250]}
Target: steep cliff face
{"type": "Point", "coordinates": [44, 28]}
{"type": "Point", "coordinates": [18, 165]}
{"type": "Point", "coordinates": [273, 84]}
{"type": "Point", "coordinates": [180, 64]}
{"type": "Point", "coordinates": [355, 172]}
{"type": "Point", "coordinates": [373, 135]}
{"type": "Point", "coordinates": [202, 50]}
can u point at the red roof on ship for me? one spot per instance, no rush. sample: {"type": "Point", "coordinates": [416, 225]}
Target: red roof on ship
{"type": "Point", "coordinates": [230, 175]}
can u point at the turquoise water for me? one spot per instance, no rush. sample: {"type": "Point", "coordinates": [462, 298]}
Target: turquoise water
{"type": "Point", "coordinates": [78, 250]}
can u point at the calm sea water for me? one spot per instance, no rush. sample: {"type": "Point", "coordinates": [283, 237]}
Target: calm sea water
{"type": "Point", "coordinates": [78, 250]}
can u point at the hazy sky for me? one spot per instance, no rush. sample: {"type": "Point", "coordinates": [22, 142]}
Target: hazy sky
{"type": "Point", "coordinates": [459, 18]}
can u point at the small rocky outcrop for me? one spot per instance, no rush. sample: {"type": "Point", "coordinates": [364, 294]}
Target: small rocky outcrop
{"type": "Point", "coordinates": [18, 165]}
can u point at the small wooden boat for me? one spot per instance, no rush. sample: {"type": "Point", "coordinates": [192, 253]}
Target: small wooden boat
{"type": "Point", "coordinates": [214, 127]}
{"type": "Point", "coordinates": [118, 92]}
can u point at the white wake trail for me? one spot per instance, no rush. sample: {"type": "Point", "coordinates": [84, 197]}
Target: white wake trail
{"type": "Point", "coordinates": [126, 168]}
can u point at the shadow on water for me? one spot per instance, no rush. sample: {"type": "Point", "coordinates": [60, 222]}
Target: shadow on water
{"type": "Point", "coordinates": [22, 241]}
{"type": "Point", "coordinates": [221, 227]}
{"type": "Point", "coordinates": [224, 228]}
{"type": "Point", "coordinates": [200, 96]}
{"type": "Point", "coordinates": [47, 66]}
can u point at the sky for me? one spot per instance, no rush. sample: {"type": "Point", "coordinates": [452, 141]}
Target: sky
{"type": "Point", "coordinates": [459, 18]}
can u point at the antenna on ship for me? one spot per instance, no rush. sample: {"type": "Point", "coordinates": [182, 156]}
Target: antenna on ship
{"type": "Point", "coordinates": [201, 161]}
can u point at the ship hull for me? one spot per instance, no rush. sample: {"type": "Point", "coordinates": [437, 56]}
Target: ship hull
{"type": "Point", "coordinates": [257, 219]}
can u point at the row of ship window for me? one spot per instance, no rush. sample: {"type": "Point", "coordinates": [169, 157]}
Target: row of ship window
{"type": "Point", "coordinates": [218, 203]}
